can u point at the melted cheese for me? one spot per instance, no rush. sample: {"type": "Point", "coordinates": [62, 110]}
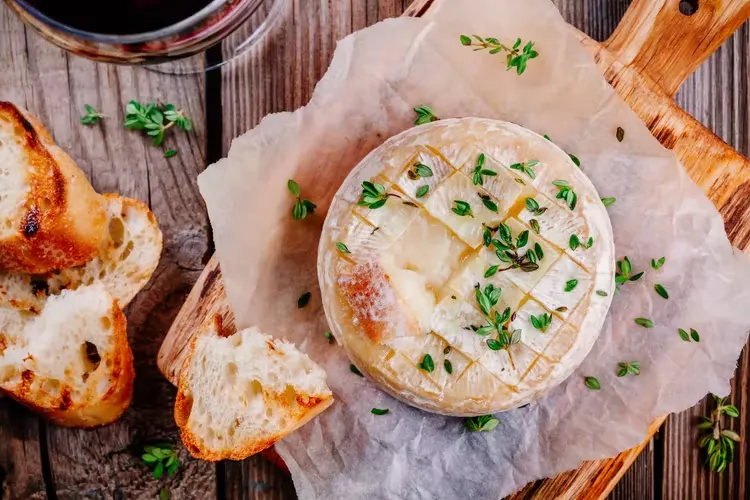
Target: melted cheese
{"type": "Point", "coordinates": [407, 289]}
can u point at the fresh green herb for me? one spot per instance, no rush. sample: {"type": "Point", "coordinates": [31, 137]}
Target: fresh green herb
{"type": "Point", "coordinates": [355, 370]}
{"type": "Point", "coordinates": [422, 191]}
{"type": "Point", "coordinates": [373, 195]}
{"type": "Point", "coordinates": [329, 337]}
{"type": "Point", "coordinates": [561, 309]}
{"type": "Point", "coordinates": [632, 368]}
{"type": "Point", "coordinates": [520, 181]}
{"type": "Point", "coordinates": [487, 234]}
{"type": "Point", "coordinates": [566, 193]}
{"type": "Point", "coordinates": [620, 134]}
{"type": "Point", "coordinates": [526, 167]}
{"type": "Point", "coordinates": [419, 170]}
{"type": "Point", "coordinates": [661, 291]}
{"type": "Point", "coordinates": [303, 300]}
{"type": "Point", "coordinates": [547, 137]}
{"type": "Point", "coordinates": [92, 116]}
{"type": "Point", "coordinates": [161, 458]}
{"type": "Point", "coordinates": [480, 171]}
{"type": "Point", "coordinates": [608, 201]}
{"type": "Point", "coordinates": [169, 153]}
{"type": "Point", "coordinates": [491, 271]}
{"type": "Point", "coordinates": [485, 423]}
{"type": "Point", "coordinates": [601, 293]}
{"type": "Point", "coordinates": [508, 251]}
{"type": "Point", "coordinates": [718, 441]}
{"type": "Point", "coordinates": [342, 247]}
{"type": "Point", "coordinates": [487, 201]}
{"type": "Point", "coordinates": [541, 322]}
{"type": "Point", "coordinates": [448, 366]}
{"type": "Point", "coordinates": [570, 285]}
{"type": "Point", "coordinates": [592, 383]}
{"type": "Point", "coordinates": [427, 364]}
{"type": "Point", "coordinates": [155, 119]}
{"type": "Point", "coordinates": [516, 57]}
{"type": "Point", "coordinates": [575, 160]}
{"type": "Point", "coordinates": [624, 270]}
{"type": "Point", "coordinates": [576, 243]}
{"type": "Point", "coordinates": [496, 322]}
{"type": "Point", "coordinates": [644, 322]}
{"type": "Point", "coordinates": [533, 206]}
{"type": "Point", "coordinates": [379, 411]}
{"type": "Point", "coordinates": [686, 337]}
{"type": "Point", "coordinates": [301, 208]}
{"type": "Point", "coordinates": [462, 209]}
{"type": "Point", "coordinates": [425, 114]}
{"type": "Point", "coordinates": [656, 264]}
{"type": "Point", "coordinates": [535, 226]}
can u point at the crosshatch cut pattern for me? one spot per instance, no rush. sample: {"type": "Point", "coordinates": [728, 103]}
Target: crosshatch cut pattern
{"type": "Point", "coordinates": [402, 269]}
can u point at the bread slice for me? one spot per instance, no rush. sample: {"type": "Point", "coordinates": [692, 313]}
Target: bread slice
{"type": "Point", "coordinates": [240, 394]}
{"type": "Point", "coordinates": [50, 216]}
{"type": "Point", "coordinates": [127, 258]}
{"type": "Point", "coordinates": [71, 362]}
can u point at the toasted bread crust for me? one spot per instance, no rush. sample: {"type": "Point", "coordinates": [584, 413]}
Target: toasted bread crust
{"type": "Point", "coordinates": [63, 218]}
{"type": "Point", "coordinates": [299, 416]}
{"type": "Point", "coordinates": [92, 410]}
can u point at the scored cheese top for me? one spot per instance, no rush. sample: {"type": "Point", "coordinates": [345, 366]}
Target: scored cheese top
{"type": "Point", "coordinates": [399, 277]}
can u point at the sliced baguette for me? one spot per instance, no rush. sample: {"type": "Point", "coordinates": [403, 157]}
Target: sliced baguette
{"type": "Point", "coordinates": [126, 259]}
{"type": "Point", "coordinates": [50, 216]}
{"type": "Point", "coordinates": [71, 362]}
{"type": "Point", "coordinates": [238, 395]}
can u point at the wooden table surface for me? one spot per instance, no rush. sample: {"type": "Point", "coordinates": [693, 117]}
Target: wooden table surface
{"type": "Point", "coordinates": [38, 460]}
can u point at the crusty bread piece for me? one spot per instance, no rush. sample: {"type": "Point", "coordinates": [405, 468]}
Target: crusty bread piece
{"type": "Point", "coordinates": [71, 362]}
{"type": "Point", "coordinates": [238, 395]}
{"type": "Point", "coordinates": [50, 216]}
{"type": "Point", "coordinates": [126, 259]}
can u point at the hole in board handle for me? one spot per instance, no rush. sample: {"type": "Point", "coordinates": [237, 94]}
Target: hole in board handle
{"type": "Point", "coordinates": [688, 7]}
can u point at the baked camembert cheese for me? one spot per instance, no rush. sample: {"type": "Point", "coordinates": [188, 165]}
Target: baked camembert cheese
{"type": "Point", "coordinates": [467, 266]}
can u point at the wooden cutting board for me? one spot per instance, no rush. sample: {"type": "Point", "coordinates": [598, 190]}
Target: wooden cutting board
{"type": "Point", "coordinates": [657, 45]}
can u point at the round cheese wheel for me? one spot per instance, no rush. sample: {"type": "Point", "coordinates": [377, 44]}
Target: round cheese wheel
{"type": "Point", "coordinates": [467, 266]}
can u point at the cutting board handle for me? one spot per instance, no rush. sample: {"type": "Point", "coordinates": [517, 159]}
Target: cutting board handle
{"type": "Point", "coordinates": [669, 39]}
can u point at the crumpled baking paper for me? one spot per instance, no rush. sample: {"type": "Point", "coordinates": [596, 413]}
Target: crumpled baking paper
{"type": "Point", "coordinates": [377, 76]}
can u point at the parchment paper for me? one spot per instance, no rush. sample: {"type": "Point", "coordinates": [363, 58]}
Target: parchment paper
{"type": "Point", "coordinates": [377, 76]}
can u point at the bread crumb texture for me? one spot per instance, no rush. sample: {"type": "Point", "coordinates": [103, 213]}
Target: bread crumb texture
{"type": "Point", "coordinates": [240, 394]}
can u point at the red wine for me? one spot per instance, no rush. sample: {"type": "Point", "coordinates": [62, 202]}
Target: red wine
{"type": "Point", "coordinates": [118, 17]}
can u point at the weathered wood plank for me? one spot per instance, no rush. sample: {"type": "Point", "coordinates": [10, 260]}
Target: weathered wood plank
{"type": "Point", "coordinates": [53, 85]}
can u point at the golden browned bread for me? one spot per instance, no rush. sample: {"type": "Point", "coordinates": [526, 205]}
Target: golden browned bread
{"type": "Point", "coordinates": [240, 394]}
{"type": "Point", "coordinates": [71, 362]}
{"type": "Point", "coordinates": [50, 216]}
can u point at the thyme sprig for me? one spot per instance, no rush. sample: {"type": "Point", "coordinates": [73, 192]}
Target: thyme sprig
{"type": "Point", "coordinates": [480, 171]}
{"type": "Point", "coordinates": [374, 195]}
{"type": "Point", "coordinates": [462, 209]}
{"type": "Point", "coordinates": [717, 440]}
{"type": "Point", "coordinates": [516, 57]}
{"type": "Point", "coordinates": [301, 208]}
{"type": "Point", "coordinates": [483, 423]}
{"type": "Point", "coordinates": [565, 192]}
{"type": "Point", "coordinates": [575, 242]}
{"type": "Point", "coordinates": [624, 270]}
{"type": "Point", "coordinates": [628, 368]}
{"type": "Point", "coordinates": [507, 250]}
{"type": "Point", "coordinates": [496, 321]}
{"type": "Point", "coordinates": [526, 167]}
{"type": "Point", "coordinates": [155, 119]}
{"type": "Point", "coordinates": [533, 206]}
{"type": "Point", "coordinates": [92, 116]}
{"type": "Point", "coordinates": [425, 114]}
{"type": "Point", "coordinates": [541, 322]}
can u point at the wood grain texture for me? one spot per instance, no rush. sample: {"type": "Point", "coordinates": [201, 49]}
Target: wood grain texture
{"type": "Point", "coordinates": [675, 128]}
{"type": "Point", "coordinates": [280, 75]}
{"type": "Point", "coordinates": [105, 462]}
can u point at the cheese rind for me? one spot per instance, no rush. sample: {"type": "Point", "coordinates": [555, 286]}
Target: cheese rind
{"type": "Point", "coordinates": [403, 302]}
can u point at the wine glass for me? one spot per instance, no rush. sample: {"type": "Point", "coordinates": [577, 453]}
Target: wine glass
{"type": "Point", "coordinates": [153, 32]}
